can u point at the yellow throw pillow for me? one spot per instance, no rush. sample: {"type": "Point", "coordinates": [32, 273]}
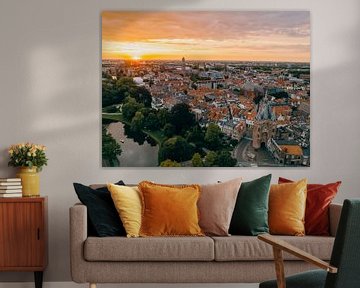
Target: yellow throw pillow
{"type": "Point", "coordinates": [127, 201]}
{"type": "Point", "coordinates": [287, 204]}
{"type": "Point", "coordinates": [169, 210]}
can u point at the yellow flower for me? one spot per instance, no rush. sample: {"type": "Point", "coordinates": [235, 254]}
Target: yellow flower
{"type": "Point", "coordinates": [27, 153]}
{"type": "Point", "coordinates": [41, 147]}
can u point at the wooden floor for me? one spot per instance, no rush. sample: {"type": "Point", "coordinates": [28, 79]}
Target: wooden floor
{"type": "Point", "coordinates": [74, 285]}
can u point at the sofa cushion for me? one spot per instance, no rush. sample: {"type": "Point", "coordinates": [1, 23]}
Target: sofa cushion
{"type": "Point", "coordinates": [250, 215]}
{"type": "Point", "coordinates": [102, 216]}
{"type": "Point", "coordinates": [127, 201]}
{"type": "Point", "coordinates": [287, 204]}
{"type": "Point", "coordinates": [169, 210]}
{"type": "Point", "coordinates": [244, 248]}
{"type": "Point", "coordinates": [149, 249]}
{"type": "Point", "coordinates": [318, 199]}
{"type": "Point", "coordinates": [216, 206]}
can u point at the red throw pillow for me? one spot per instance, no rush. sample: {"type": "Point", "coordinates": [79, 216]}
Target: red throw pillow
{"type": "Point", "coordinates": [319, 197]}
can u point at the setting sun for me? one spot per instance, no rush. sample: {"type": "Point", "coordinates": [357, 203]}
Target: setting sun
{"type": "Point", "coordinates": [136, 57]}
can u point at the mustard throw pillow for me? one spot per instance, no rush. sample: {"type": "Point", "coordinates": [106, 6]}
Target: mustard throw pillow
{"type": "Point", "coordinates": [287, 204]}
{"type": "Point", "coordinates": [127, 201]}
{"type": "Point", "coordinates": [169, 210]}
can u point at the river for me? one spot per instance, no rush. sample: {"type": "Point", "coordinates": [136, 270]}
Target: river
{"type": "Point", "coordinates": [133, 154]}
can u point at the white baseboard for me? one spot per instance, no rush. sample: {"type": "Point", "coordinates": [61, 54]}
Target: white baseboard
{"type": "Point", "coordinates": [74, 285]}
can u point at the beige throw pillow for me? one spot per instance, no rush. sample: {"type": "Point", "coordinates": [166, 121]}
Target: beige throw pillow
{"type": "Point", "coordinates": [216, 206]}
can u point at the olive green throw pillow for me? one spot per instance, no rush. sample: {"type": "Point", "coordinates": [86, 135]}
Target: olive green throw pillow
{"type": "Point", "coordinates": [250, 215]}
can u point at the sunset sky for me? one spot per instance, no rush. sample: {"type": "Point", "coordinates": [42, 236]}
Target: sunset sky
{"type": "Point", "coordinates": [243, 36]}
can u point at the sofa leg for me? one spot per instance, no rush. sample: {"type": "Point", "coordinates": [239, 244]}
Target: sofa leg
{"type": "Point", "coordinates": [92, 285]}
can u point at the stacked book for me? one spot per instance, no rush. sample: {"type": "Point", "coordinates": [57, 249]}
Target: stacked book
{"type": "Point", "coordinates": [10, 187]}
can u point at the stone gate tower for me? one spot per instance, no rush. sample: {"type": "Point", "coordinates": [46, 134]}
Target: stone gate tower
{"type": "Point", "coordinates": [264, 124]}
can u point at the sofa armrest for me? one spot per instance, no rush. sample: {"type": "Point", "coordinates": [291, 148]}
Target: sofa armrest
{"type": "Point", "coordinates": [334, 217]}
{"type": "Point", "coordinates": [78, 235]}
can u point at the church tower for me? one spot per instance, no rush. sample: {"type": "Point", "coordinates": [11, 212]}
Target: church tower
{"type": "Point", "coordinates": [264, 124]}
{"type": "Point", "coordinates": [183, 65]}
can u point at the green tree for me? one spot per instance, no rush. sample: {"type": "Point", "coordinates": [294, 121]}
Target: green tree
{"type": "Point", "coordinates": [125, 87]}
{"type": "Point", "coordinates": [196, 135]}
{"type": "Point", "coordinates": [145, 110]}
{"type": "Point", "coordinates": [120, 89]}
{"type": "Point", "coordinates": [196, 160]}
{"type": "Point", "coordinates": [194, 77]}
{"type": "Point", "coordinates": [169, 130]}
{"type": "Point", "coordinates": [194, 86]}
{"type": "Point", "coordinates": [175, 148]}
{"type": "Point", "coordinates": [137, 122]}
{"type": "Point", "coordinates": [181, 117]}
{"type": "Point", "coordinates": [169, 163]}
{"type": "Point", "coordinates": [152, 122]}
{"type": "Point", "coordinates": [106, 75]}
{"type": "Point", "coordinates": [224, 159]}
{"type": "Point", "coordinates": [142, 95]}
{"type": "Point", "coordinates": [213, 137]}
{"type": "Point", "coordinates": [163, 116]}
{"type": "Point", "coordinates": [210, 159]}
{"type": "Point", "coordinates": [126, 82]}
{"type": "Point", "coordinates": [109, 93]}
{"type": "Point", "coordinates": [130, 108]}
{"type": "Point", "coordinates": [110, 148]}
{"type": "Point", "coordinates": [234, 142]}
{"type": "Point", "coordinates": [115, 92]}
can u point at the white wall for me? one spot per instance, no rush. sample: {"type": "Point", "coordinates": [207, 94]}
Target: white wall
{"type": "Point", "coordinates": [50, 93]}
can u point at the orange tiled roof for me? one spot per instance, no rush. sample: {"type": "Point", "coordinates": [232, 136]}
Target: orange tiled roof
{"type": "Point", "coordinates": [251, 115]}
{"type": "Point", "coordinates": [292, 149]}
{"type": "Point", "coordinates": [281, 110]}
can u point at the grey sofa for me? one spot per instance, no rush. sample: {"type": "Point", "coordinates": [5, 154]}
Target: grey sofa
{"type": "Point", "coordinates": [234, 259]}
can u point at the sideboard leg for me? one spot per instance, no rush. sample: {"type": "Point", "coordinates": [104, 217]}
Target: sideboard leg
{"type": "Point", "coordinates": [38, 279]}
{"type": "Point", "coordinates": [92, 285]}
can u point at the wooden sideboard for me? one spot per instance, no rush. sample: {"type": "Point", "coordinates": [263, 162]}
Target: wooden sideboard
{"type": "Point", "coordinates": [23, 235]}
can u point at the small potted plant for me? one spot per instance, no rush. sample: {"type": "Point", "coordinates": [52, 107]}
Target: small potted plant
{"type": "Point", "coordinates": [30, 158]}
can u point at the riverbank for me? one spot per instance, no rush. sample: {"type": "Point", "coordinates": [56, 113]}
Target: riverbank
{"type": "Point", "coordinates": [133, 153]}
{"type": "Point", "coordinates": [158, 136]}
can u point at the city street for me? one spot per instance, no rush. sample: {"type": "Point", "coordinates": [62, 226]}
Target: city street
{"type": "Point", "coordinates": [244, 149]}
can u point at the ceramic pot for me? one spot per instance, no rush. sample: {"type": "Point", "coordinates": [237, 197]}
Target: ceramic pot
{"type": "Point", "coordinates": [30, 181]}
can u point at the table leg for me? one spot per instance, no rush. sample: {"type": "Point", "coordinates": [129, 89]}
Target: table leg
{"type": "Point", "coordinates": [38, 279]}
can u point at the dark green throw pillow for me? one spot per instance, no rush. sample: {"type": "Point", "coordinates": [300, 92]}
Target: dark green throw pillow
{"type": "Point", "coordinates": [250, 215]}
{"type": "Point", "coordinates": [103, 219]}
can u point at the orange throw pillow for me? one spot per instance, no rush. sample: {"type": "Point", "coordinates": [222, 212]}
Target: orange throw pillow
{"type": "Point", "coordinates": [319, 197]}
{"type": "Point", "coordinates": [169, 210]}
{"type": "Point", "coordinates": [287, 204]}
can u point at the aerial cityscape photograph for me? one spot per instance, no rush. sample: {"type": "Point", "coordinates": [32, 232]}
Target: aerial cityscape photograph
{"type": "Point", "coordinates": [206, 89]}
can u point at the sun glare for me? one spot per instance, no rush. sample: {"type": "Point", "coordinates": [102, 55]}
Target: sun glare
{"type": "Point", "coordinates": [136, 57]}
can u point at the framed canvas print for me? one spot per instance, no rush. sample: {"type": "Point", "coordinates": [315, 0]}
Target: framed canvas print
{"type": "Point", "coordinates": [205, 89]}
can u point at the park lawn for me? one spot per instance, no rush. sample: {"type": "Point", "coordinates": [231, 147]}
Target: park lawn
{"type": "Point", "coordinates": [115, 117]}
{"type": "Point", "coordinates": [158, 136]}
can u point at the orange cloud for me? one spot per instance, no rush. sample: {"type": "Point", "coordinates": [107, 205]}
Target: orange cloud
{"type": "Point", "coordinates": [262, 36]}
